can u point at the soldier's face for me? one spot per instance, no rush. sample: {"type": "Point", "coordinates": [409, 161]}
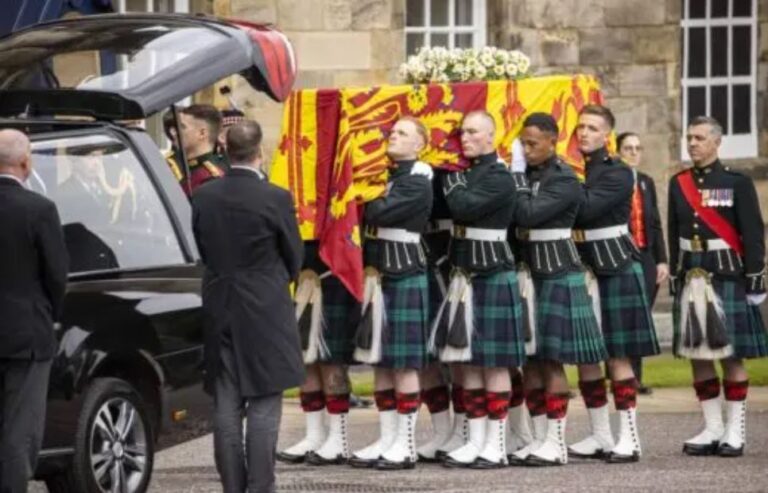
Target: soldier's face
{"type": "Point", "coordinates": [703, 144]}
{"type": "Point", "coordinates": [630, 150]}
{"type": "Point", "coordinates": [592, 133]}
{"type": "Point", "coordinates": [538, 146]}
{"type": "Point", "coordinates": [476, 136]}
{"type": "Point", "coordinates": [194, 132]}
{"type": "Point", "coordinates": [404, 142]}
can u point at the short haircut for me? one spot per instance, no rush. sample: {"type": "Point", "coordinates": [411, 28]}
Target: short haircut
{"type": "Point", "coordinates": [623, 136]}
{"type": "Point", "coordinates": [543, 121]}
{"type": "Point", "coordinates": [14, 146]}
{"type": "Point", "coordinates": [483, 114]}
{"type": "Point", "coordinates": [169, 122]}
{"type": "Point", "coordinates": [421, 129]}
{"type": "Point", "coordinates": [244, 142]}
{"type": "Point", "coordinates": [602, 111]}
{"type": "Point", "coordinates": [717, 129]}
{"type": "Point", "coordinates": [210, 115]}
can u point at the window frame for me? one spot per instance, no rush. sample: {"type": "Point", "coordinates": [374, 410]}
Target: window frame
{"type": "Point", "coordinates": [739, 146]}
{"type": "Point", "coordinates": [478, 29]}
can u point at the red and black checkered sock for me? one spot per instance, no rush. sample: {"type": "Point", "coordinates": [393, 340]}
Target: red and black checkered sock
{"type": "Point", "coordinates": [497, 404]}
{"type": "Point", "coordinates": [594, 393]}
{"type": "Point", "coordinates": [735, 391]}
{"type": "Point", "coordinates": [457, 399]}
{"type": "Point", "coordinates": [385, 400]}
{"type": "Point", "coordinates": [536, 401]}
{"type": "Point", "coordinates": [517, 397]}
{"type": "Point", "coordinates": [557, 405]}
{"type": "Point", "coordinates": [474, 402]}
{"type": "Point", "coordinates": [624, 394]}
{"type": "Point", "coordinates": [312, 401]}
{"type": "Point", "coordinates": [408, 403]}
{"type": "Point", "coordinates": [707, 389]}
{"type": "Point", "coordinates": [437, 399]}
{"type": "Point", "coordinates": [337, 404]}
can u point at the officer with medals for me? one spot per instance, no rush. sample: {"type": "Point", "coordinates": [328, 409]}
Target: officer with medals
{"type": "Point", "coordinates": [618, 285]}
{"type": "Point", "coordinates": [479, 325]}
{"type": "Point", "coordinates": [327, 316]}
{"type": "Point", "coordinates": [717, 260]}
{"type": "Point", "coordinates": [566, 328]}
{"type": "Point", "coordinates": [199, 126]}
{"type": "Point", "coordinates": [395, 315]}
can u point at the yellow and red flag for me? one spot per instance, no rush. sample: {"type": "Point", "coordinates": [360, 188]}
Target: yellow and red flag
{"type": "Point", "coordinates": [329, 211]}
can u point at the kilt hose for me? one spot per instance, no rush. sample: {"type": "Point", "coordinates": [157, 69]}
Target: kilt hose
{"type": "Point", "coordinates": [498, 339]}
{"type": "Point", "coordinates": [627, 323]}
{"type": "Point", "coordinates": [744, 322]}
{"type": "Point", "coordinates": [566, 328]}
{"type": "Point", "coordinates": [341, 315]}
{"type": "Point", "coordinates": [405, 332]}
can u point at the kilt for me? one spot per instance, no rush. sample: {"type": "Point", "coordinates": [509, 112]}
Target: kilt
{"type": "Point", "coordinates": [566, 328]}
{"type": "Point", "coordinates": [341, 315]}
{"type": "Point", "coordinates": [627, 325]}
{"type": "Point", "coordinates": [744, 322]}
{"type": "Point", "coordinates": [498, 339]}
{"type": "Point", "coordinates": [404, 337]}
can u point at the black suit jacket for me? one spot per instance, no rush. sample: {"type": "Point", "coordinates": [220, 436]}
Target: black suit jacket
{"type": "Point", "coordinates": [33, 272]}
{"type": "Point", "coordinates": [248, 237]}
{"type": "Point", "coordinates": [654, 234]}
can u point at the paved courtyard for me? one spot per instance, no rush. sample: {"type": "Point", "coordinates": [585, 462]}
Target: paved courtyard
{"type": "Point", "coordinates": [667, 418]}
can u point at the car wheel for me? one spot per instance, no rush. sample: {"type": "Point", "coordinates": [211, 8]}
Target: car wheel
{"type": "Point", "coordinates": [114, 445]}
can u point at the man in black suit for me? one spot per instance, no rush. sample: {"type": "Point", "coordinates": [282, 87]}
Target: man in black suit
{"type": "Point", "coordinates": [33, 276]}
{"type": "Point", "coordinates": [249, 241]}
{"type": "Point", "coordinates": [645, 226]}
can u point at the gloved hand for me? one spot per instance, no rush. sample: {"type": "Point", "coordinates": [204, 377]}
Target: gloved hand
{"type": "Point", "coordinates": [422, 169]}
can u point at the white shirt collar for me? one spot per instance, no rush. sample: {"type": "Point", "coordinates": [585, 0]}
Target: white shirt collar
{"type": "Point", "coordinates": [249, 168]}
{"type": "Point", "coordinates": [12, 177]}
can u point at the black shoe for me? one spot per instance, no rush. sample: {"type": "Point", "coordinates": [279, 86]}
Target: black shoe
{"type": "Point", "coordinates": [599, 455]}
{"type": "Point", "coordinates": [515, 461]}
{"type": "Point", "coordinates": [290, 458]}
{"type": "Point", "coordinates": [317, 460]}
{"type": "Point", "coordinates": [452, 463]}
{"type": "Point", "coordinates": [440, 455]}
{"type": "Point", "coordinates": [614, 458]}
{"type": "Point", "coordinates": [359, 463]}
{"type": "Point", "coordinates": [428, 460]}
{"type": "Point", "coordinates": [481, 463]}
{"type": "Point", "coordinates": [388, 465]}
{"type": "Point", "coordinates": [700, 449]}
{"type": "Point", "coordinates": [725, 450]}
{"type": "Point", "coordinates": [643, 390]}
{"type": "Point", "coordinates": [536, 461]}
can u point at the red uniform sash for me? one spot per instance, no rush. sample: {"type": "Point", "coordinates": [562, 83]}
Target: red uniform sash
{"type": "Point", "coordinates": [708, 215]}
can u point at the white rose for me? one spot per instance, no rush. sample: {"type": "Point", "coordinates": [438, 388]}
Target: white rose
{"type": "Point", "coordinates": [480, 72]}
{"type": "Point", "coordinates": [523, 65]}
{"type": "Point", "coordinates": [512, 70]}
{"type": "Point", "coordinates": [487, 60]}
{"type": "Point", "coordinates": [498, 71]}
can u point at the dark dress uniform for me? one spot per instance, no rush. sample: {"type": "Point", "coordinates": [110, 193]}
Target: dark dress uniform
{"type": "Point", "coordinates": [654, 250]}
{"type": "Point", "coordinates": [566, 328]}
{"type": "Point", "coordinates": [201, 169]}
{"type": "Point", "coordinates": [608, 250]}
{"type": "Point", "coordinates": [693, 244]}
{"type": "Point", "coordinates": [392, 247]}
{"type": "Point", "coordinates": [482, 204]}
{"type": "Point", "coordinates": [437, 239]}
{"type": "Point", "coordinates": [340, 314]}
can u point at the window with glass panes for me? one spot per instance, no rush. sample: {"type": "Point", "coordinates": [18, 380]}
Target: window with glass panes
{"type": "Point", "coordinates": [448, 23]}
{"type": "Point", "coordinates": [719, 70]}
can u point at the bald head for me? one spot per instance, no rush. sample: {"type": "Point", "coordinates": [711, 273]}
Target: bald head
{"type": "Point", "coordinates": [14, 153]}
{"type": "Point", "coordinates": [477, 134]}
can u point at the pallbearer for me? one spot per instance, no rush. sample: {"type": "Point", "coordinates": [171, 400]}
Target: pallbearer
{"type": "Point", "coordinates": [717, 252]}
{"type": "Point", "coordinates": [394, 325]}
{"type": "Point", "coordinates": [480, 323]}
{"type": "Point", "coordinates": [566, 330]}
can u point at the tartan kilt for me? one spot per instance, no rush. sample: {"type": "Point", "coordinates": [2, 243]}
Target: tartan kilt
{"type": "Point", "coordinates": [498, 338]}
{"type": "Point", "coordinates": [566, 328]}
{"type": "Point", "coordinates": [744, 322]}
{"type": "Point", "coordinates": [404, 336]}
{"type": "Point", "coordinates": [627, 324]}
{"type": "Point", "coordinates": [341, 315]}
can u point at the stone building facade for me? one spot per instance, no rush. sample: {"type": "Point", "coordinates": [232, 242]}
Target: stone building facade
{"type": "Point", "coordinates": [635, 48]}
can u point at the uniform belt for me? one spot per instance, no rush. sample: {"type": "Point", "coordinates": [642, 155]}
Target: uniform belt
{"type": "Point", "coordinates": [607, 233]}
{"type": "Point", "coordinates": [394, 234]}
{"type": "Point", "coordinates": [549, 234]}
{"type": "Point", "coordinates": [479, 234]}
{"type": "Point", "coordinates": [440, 225]}
{"type": "Point", "coordinates": [697, 245]}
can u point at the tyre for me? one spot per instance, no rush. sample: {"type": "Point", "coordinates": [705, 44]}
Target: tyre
{"type": "Point", "coordinates": [114, 443]}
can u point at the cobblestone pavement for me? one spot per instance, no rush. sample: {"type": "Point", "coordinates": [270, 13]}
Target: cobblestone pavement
{"type": "Point", "coordinates": [667, 418]}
